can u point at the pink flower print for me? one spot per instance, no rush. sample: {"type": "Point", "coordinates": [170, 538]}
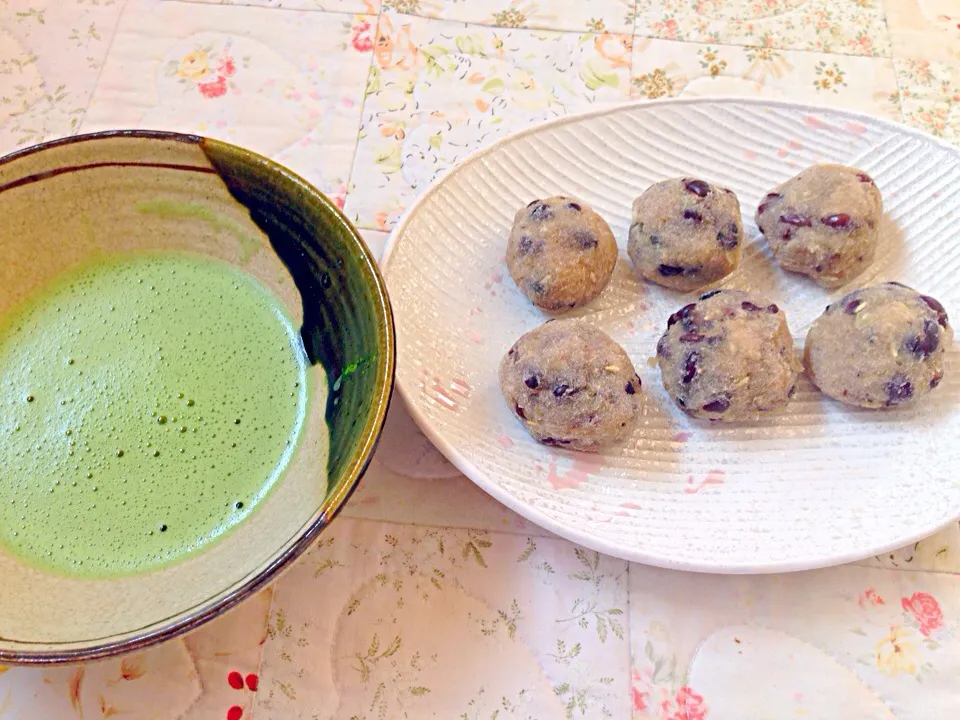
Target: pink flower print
{"type": "Point", "coordinates": [690, 706]}
{"type": "Point", "coordinates": [362, 37]}
{"type": "Point", "coordinates": [340, 196]}
{"type": "Point", "coordinates": [666, 29]}
{"type": "Point", "coordinates": [226, 67]}
{"type": "Point", "coordinates": [207, 71]}
{"type": "Point", "coordinates": [925, 610]}
{"type": "Point", "coordinates": [214, 89]}
{"type": "Point", "coordinates": [639, 700]}
{"type": "Point", "coordinates": [640, 697]}
{"type": "Point", "coordinates": [211, 80]}
{"type": "Point", "coordinates": [869, 597]}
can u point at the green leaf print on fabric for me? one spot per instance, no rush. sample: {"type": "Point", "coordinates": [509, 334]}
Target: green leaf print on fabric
{"type": "Point", "coordinates": [596, 74]}
{"type": "Point", "coordinates": [494, 86]}
{"type": "Point", "coordinates": [504, 619]}
{"type": "Point", "coordinates": [564, 656]}
{"type": "Point", "coordinates": [373, 656]}
{"type": "Point", "coordinates": [605, 621]}
{"type": "Point", "coordinates": [528, 551]}
{"type": "Point", "coordinates": [472, 547]}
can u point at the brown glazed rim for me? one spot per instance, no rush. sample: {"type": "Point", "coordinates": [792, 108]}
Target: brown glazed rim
{"type": "Point", "coordinates": [196, 616]}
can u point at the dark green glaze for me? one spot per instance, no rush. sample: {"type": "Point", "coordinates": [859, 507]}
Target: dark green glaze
{"type": "Point", "coordinates": [344, 324]}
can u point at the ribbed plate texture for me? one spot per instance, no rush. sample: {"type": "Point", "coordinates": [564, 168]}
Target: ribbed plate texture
{"type": "Point", "coordinates": [816, 485]}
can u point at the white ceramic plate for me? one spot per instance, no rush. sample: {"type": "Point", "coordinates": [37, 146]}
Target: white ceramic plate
{"type": "Point", "coordinates": [820, 484]}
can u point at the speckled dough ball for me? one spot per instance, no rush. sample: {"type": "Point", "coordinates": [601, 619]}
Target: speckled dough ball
{"type": "Point", "coordinates": [571, 385]}
{"type": "Point", "coordinates": [728, 356]}
{"type": "Point", "coordinates": [561, 253]}
{"type": "Point", "coordinates": [685, 233]}
{"type": "Point", "coordinates": [823, 223]}
{"type": "Point", "coordinates": [879, 346]}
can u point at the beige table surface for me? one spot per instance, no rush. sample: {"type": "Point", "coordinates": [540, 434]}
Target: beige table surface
{"type": "Point", "coordinates": [427, 599]}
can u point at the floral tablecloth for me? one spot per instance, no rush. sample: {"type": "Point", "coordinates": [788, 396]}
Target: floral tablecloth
{"type": "Point", "coordinates": [427, 599]}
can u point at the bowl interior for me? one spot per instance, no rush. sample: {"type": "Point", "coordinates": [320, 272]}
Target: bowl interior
{"type": "Point", "coordinates": [62, 204]}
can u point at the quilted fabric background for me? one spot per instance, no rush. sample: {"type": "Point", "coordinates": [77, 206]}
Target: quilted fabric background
{"type": "Point", "coordinates": [427, 598]}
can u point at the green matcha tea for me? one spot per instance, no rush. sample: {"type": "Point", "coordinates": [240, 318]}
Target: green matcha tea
{"type": "Point", "coordinates": [147, 404]}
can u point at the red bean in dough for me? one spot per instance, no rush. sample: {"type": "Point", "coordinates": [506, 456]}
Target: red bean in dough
{"type": "Point", "coordinates": [571, 385]}
{"type": "Point", "coordinates": [685, 234]}
{"type": "Point", "coordinates": [879, 346]}
{"type": "Point", "coordinates": [823, 223]}
{"type": "Point", "coordinates": [561, 253]}
{"type": "Point", "coordinates": [729, 356]}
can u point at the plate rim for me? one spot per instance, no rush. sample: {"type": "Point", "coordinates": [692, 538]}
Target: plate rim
{"type": "Point", "coordinates": [534, 514]}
